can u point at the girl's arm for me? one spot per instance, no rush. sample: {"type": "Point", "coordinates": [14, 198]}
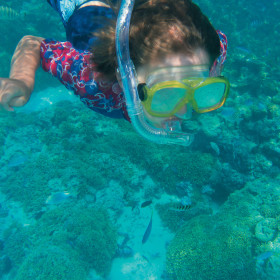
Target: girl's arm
{"type": "Point", "coordinates": [26, 60]}
{"type": "Point", "coordinates": [16, 91]}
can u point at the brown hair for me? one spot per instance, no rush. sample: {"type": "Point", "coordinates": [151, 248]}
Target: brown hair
{"type": "Point", "coordinates": [157, 28]}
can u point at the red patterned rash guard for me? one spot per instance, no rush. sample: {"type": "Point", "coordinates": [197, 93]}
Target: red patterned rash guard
{"type": "Point", "coordinates": [74, 70]}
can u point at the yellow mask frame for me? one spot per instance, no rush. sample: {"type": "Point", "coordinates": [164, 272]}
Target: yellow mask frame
{"type": "Point", "coordinates": [190, 86]}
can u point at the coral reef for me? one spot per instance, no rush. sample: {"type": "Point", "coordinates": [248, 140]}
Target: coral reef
{"type": "Point", "coordinates": [266, 230]}
{"type": "Point", "coordinates": [223, 246]}
{"type": "Point", "coordinates": [210, 251]}
{"type": "Point", "coordinates": [85, 232]}
{"type": "Point", "coordinates": [51, 262]}
{"type": "Point", "coordinates": [92, 235]}
{"type": "Point", "coordinates": [17, 243]}
{"type": "Point", "coordinates": [192, 166]}
{"type": "Point", "coordinates": [99, 161]}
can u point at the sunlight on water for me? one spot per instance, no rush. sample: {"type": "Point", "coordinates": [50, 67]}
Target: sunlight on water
{"type": "Point", "coordinates": [79, 191]}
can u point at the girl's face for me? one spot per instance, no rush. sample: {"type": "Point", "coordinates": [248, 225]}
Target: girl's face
{"type": "Point", "coordinates": [199, 58]}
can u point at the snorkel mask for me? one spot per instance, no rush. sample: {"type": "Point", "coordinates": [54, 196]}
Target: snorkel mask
{"type": "Point", "coordinates": [171, 132]}
{"type": "Point", "coordinates": [168, 93]}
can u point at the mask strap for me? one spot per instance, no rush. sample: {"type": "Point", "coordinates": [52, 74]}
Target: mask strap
{"type": "Point", "coordinates": [218, 64]}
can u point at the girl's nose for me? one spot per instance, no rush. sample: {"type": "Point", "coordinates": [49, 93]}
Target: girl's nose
{"type": "Point", "coordinates": [185, 113]}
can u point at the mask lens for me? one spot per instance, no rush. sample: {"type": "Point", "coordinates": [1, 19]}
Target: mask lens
{"type": "Point", "coordinates": [165, 100]}
{"type": "Point", "coordinates": [209, 95]}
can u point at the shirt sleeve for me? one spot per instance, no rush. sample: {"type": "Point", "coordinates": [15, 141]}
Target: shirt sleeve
{"type": "Point", "coordinates": [74, 70]}
{"type": "Point", "coordinates": [70, 66]}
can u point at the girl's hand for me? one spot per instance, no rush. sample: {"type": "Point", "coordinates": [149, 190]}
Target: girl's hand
{"type": "Point", "coordinates": [13, 93]}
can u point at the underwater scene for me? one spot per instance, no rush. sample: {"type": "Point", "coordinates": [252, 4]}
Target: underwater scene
{"type": "Point", "coordinates": [84, 197]}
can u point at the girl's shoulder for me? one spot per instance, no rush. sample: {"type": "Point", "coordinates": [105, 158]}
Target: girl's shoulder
{"type": "Point", "coordinates": [66, 7]}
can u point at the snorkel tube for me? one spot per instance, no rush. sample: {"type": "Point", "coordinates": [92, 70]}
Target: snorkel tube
{"type": "Point", "coordinates": [133, 103]}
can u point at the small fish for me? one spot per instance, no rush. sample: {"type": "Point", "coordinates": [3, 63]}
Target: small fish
{"type": "Point", "coordinates": [7, 13]}
{"type": "Point", "coordinates": [243, 50]}
{"type": "Point", "coordinates": [16, 160]}
{"type": "Point", "coordinates": [207, 189]}
{"type": "Point", "coordinates": [186, 200]}
{"type": "Point", "coordinates": [57, 198]}
{"type": "Point", "coordinates": [261, 106]}
{"type": "Point", "coordinates": [227, 112]}
{"type": "Point", "coordinates": [215, 147]}
{"type": "Point", "coordinates": [249, 102]}
{"type": "Point", "coordinates": [146, 259]}
{"type": "Point", "coordinates": [146, 203]}
{"type": "Point", "coordinates": [256, 23]}
{"type": "Point", "coordinates": [231, 115]}
{"type": "Point", "coordinates": [180, 208]}
{"type": "Point", "coordinates": [148, 230]}
{"type": "Point", "coordinates": [264, 256]}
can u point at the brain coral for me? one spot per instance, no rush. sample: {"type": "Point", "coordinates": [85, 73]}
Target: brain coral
{"type": "Point", "coordinates": [51, 262]}
{"type": "Point", "coordinates": [225, 246]}
{"type": "Point", "coordinates": [93, 237]}
{"type": "Point", "coordinates": [69, 233]}
{"type": "Point", "coordinates": [211, 251]}
{"type": "Point", "coordinates": [266, 230]}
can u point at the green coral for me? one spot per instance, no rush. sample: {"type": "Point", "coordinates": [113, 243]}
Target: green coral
{"type": "Point", "coordinates": [87, 230]}
{"type": "Point", "coordinates": [28, 188]}
{"type": "Point", "coordinates": [85, 234]}
{"type": "Point", "coordinates": [193, 166]}
{"type": "Point", "coordinates": [51, 262]}
{"type": "Point", "coordinates": [270, 207]}
{"type": "Point", "coordinates": [171, 219]}
{"type": "Point", "coordinates": [17, 243]}
{"type": "Point", "coordinates": [210, 251]}
{"type": "Point", "coordinates": [93, 237]}
{"type": "Point", "coordinates": [221, 246]}
{"type": "Point", "coordinates": [227, 245]}
{"type": "Point", "coordinates": [269, 269]}
{"type": "Point", "coordinates": [174, 219]}
{"type": "Point", "coordinates": [266, 230]}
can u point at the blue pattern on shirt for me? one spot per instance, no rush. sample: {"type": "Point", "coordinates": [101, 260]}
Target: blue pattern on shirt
{"type": "Point", "coordinates": [66, 7]}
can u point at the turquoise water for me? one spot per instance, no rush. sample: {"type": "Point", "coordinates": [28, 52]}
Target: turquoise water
{"type": "Point", "coordinates": [72, 182]}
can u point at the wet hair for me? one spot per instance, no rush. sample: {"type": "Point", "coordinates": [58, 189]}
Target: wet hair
{"type": "Point", "coordinates": [157, 28]}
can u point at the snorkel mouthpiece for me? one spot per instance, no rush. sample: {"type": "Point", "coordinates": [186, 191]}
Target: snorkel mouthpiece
{"type": "Point", "coordinates": [135, 111]}
{"type": "Point", "coordinates": [172, 125]}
